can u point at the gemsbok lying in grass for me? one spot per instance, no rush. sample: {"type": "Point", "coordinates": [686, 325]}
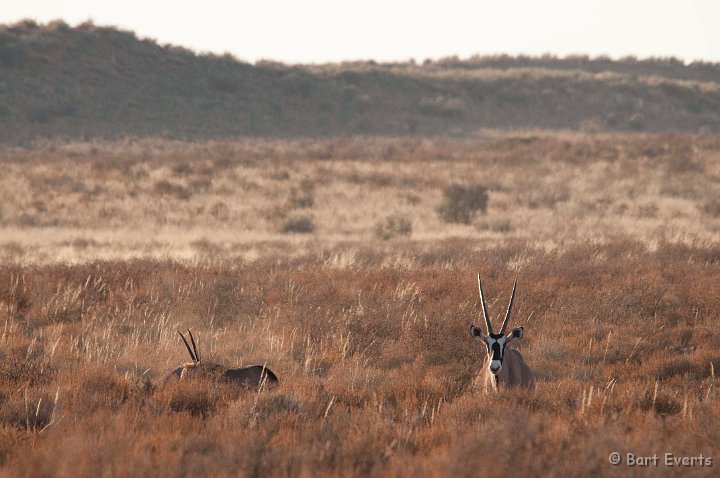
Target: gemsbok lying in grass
{"type": "Point", "coordinates": [252, 377]}
{"type": "Point", "coordinates": [505, 366]}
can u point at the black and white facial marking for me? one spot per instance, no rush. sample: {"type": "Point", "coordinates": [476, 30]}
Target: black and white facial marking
{"type": "Point", "coordinates": [495, 344]}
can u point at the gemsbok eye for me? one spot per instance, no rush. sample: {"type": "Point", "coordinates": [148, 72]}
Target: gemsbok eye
{"type": "Point", "coordinates": [505, 366]}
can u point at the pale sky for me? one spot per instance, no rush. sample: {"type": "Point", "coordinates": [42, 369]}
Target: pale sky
{"type": "Point", "coordinates": [317, 31]}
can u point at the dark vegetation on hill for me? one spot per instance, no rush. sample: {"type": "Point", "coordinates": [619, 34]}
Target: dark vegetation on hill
{"type": "Point", "coordinates": [90, 81]}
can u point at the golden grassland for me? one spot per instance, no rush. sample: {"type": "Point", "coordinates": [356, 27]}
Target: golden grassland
{"type": "Point", "coordinates": [187, 201]}
{"type": "Point", "coordinates": [109, 248]}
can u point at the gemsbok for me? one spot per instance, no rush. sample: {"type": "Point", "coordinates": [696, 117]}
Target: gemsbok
{"type": "Point", "coordinates": [505, 366]}
{"type": "Point", "coordinates": [254, 376]}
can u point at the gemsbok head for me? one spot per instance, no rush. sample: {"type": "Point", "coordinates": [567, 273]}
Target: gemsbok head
{"type": "Point", "coordinates": [254, 376]}
{"type": "Point", "coordinates": [505, 366]}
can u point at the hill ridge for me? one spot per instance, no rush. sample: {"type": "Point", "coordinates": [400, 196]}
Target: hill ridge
{"type": "Point", "coordinates": [90, 81]}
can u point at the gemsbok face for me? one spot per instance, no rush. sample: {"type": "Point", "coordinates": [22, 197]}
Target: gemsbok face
{"type": "Point", "coordinates": [254, 376]}
{"type": "Point", "coordinates": [505, 366]}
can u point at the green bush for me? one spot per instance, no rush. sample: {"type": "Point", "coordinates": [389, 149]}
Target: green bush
{"type": "Point", "coordinates": [299, 224]}
{"type": "Point", "coordinates": [303, 197]}
{"type": "Point", "coordinates": [392, 226]}
{"type": "Point", "coordinates": [461, 203]}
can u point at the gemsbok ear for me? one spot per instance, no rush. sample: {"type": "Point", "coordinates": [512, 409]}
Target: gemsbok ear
{"type": "Point", "coordinates": [517, 333]}
{"type": "Point", "coordinates": [476, 332]}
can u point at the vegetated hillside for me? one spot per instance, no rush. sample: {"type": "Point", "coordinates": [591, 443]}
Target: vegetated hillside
{"type": "Point", "coordinates": [89, 81]}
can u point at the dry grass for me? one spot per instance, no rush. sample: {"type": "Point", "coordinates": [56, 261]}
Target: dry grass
{"type": "Point", "coordinates": [187, 201]}
{"type": "Point", "coordinates": [109, 248]}
{"type": "Point", "coordinates": [375, 363]}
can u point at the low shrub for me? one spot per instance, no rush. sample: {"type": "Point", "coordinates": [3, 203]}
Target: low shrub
{"type": "Point", "coordinates": [461, 203]}
{"type": "Point", "coordinates": [393, 226]}
{"type": "Point", "coordinates": [299, 224]}
{"type": "Point", "coordinates": [303, 196]}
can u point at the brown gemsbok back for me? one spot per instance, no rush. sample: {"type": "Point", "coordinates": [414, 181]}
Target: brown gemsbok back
{"type": "Point", "coordinates": [252, 377]}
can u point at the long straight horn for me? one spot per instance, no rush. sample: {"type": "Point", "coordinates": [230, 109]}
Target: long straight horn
{"type": "Point", "coordinates": [484, 308]}
{"type": "Point", "coordinates": [507, 314]}
{"type": "Point", "coordinates": [192, 339]}
{"type": "Point", "coordinates": [192, 356]}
